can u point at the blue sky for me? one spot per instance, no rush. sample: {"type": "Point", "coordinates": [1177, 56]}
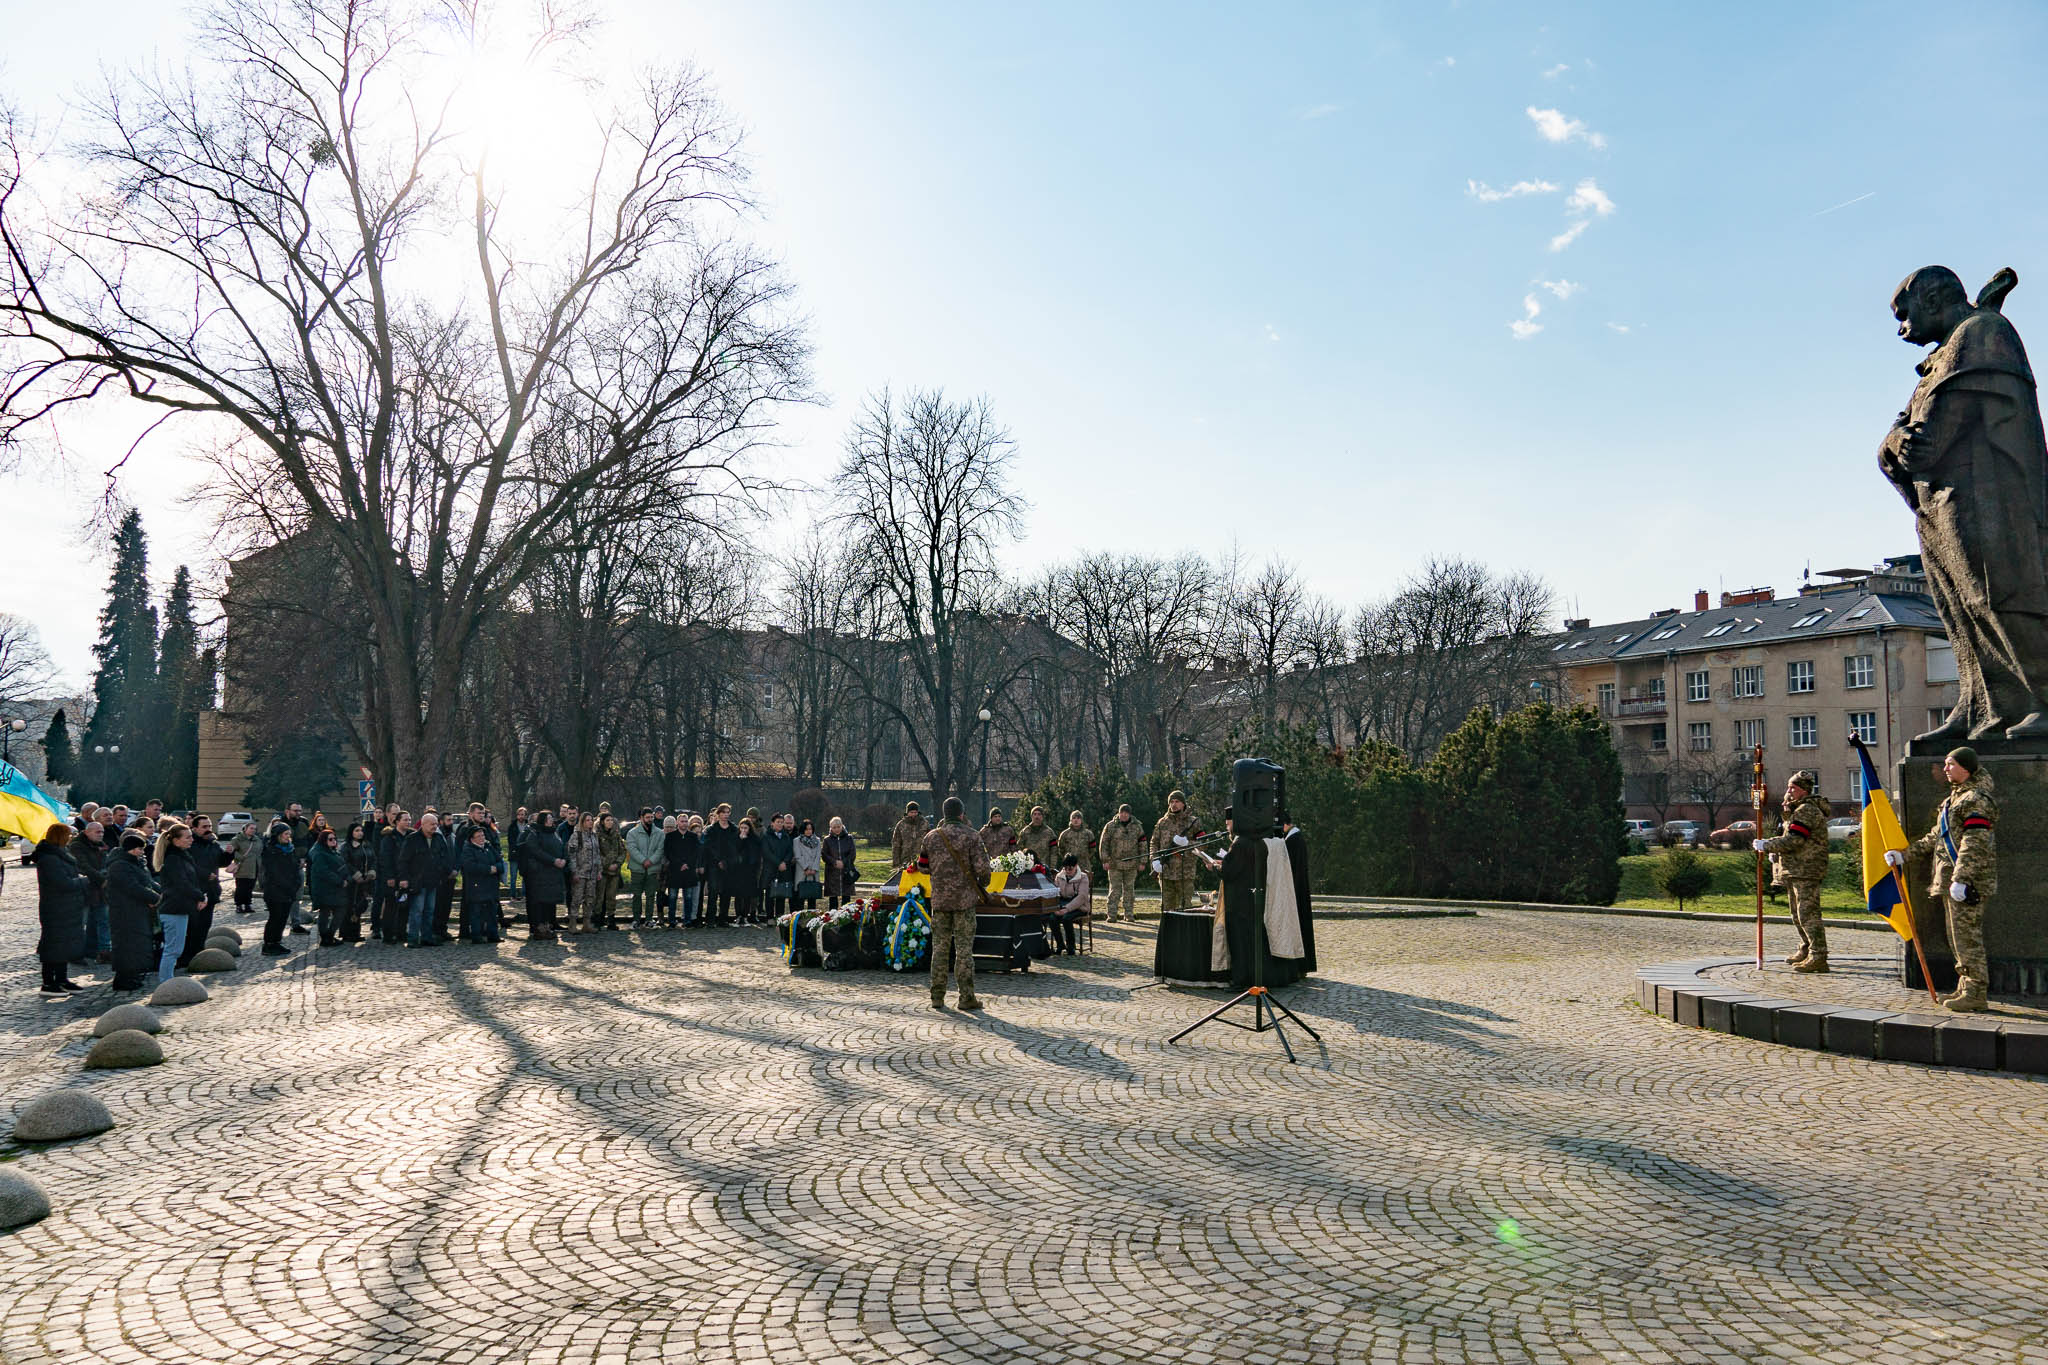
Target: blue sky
{"type": "Point", "coordinates": [1248, 273]}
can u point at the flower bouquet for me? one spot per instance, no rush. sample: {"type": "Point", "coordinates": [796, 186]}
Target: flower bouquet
{"type": "Point", "coordinates": [908, 945]}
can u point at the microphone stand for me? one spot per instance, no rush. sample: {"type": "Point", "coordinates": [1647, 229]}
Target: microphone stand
{"type": "Point", "coordinates": [1266, 1010]}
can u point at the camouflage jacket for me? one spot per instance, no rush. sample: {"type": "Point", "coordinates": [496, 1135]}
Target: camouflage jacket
{"type": "Point", "coordinates": [1078, 842]}
{"type": "Point", "coordinates": [906, 840]}
{"type": "Point", "coordinates": [1969, 815]}
{"type": "Point", "coordinates": [952, 853]}
{"type": "Point", "coordinates": [996, 840]}
{"type": "Point", "coordinates": [1123, 845]}
{"type": "Point", "coordinates": [1803, 848]}
{"type": "Point", "coordinates": [1179, 866]}
{"type": "Point", "coordinates": [1039, 837]}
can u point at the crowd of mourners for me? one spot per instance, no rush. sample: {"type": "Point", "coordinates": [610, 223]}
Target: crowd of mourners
{"type": "Point", "coordinates": [139, 890]}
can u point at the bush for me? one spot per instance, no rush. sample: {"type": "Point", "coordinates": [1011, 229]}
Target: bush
{"type": "Point", "coordinates": [878, 819]}
{"type": "Point", "coordinates": [1683, 875]}
{"type": "Point", "coordinates": [811, 804]}
{"type": "Point", "coordinates": [1097, 792]}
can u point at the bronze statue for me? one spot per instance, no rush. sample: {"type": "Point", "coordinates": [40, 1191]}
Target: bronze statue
{"type": "Point", "coordinates": [1969, 457]}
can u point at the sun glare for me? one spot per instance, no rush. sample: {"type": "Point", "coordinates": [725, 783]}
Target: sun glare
{"type": "Point", "coordinates": [519, 118]}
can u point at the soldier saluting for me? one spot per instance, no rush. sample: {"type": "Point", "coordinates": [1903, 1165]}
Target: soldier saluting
{"type": "Point", "coordinates": [1802, 853]}
{"type": "Point", "coordinates": [1171, 862]}
{"type": "Point", "coordinates": [1965, 872]}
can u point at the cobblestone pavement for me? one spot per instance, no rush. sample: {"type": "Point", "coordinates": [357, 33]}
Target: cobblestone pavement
{"type": "Point", "coordinates": [682, 1151]}
{"type": "Point", "coordinates": [1862, 980]}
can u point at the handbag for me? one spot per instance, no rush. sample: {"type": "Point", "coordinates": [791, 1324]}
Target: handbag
{"type": "Point", "coordinates": [779, 890]}
{"type": "Point", "coordinates": [809, 889]}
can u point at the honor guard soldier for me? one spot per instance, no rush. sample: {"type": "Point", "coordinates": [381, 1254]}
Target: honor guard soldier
{"type": "Point", "coordinates": [907, 837]}
{"type": "Point", "coordinates": [1965, 872]}
{"type": "Point", "coordinates": [1802, 853]}
{"type": "Point", "coordinates": [1038, 837]}
{"type": "Point", "coordinates": [1123, 848]}
{"type": "Point", "coordinates": [1075, 842]}
{"type": "Point", "coordinates": [1171, 862]}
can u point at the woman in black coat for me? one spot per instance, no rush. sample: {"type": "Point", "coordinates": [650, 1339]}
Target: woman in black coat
{"type": "Point", "coordinates": [546, 886]}
{"type": "Point", "coordinates": [481, 867]}
{"type": "Point", "coordinates": [840, 870]}
{"type": "Point", "coordinates": [679, 854]}
{"type": "Point", "coordinates": [60, 906]}
{"type": "Point", "coordinates": [277, 872]}
{"type": "Point", "coordinates": [360, 853]}
{"type": "Point", "coordinates": [177, 876]}
{"type": "Point", "coordinates": [132, 897]}
{"type": "Point", "coordinates": [746, 872]}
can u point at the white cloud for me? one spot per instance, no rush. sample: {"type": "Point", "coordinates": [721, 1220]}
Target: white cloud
{"type": "Point", "coordinates": [1448, 61]}
{"type": "Point", "coordinates": [1587, 197]}
{"type": "Point", "coordinates": [1570, 234]}
{"type": "Point", "coordinates": [1316, 111]}
{"type": "Point", "coordinates": [1557, 71]}
{"type": "Point", "coordinates": [1553, 126]}
{"type": "Point", "coordinates": [1526, 326]}
{"type": "Point", "coordinates": [1271, 333]}
{"type": "Point", "coordinates": [1621, 327]}
{"type": "Point", "coordinates": [1487, 194]}
{"type": "Point", "coordinates": [1564, 289]}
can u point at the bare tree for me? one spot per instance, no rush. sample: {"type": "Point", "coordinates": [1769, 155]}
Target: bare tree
{"type": "Point", "coordinates": [267, 247]}
{"type": "Point", "coordinates": [1263, 617]}
{"type": "Point", "coordinates": [819, 608]}
{"type": "Point", "coordinates": [25, 670]}
{"type": "Point", "coordinates": [925, 488]}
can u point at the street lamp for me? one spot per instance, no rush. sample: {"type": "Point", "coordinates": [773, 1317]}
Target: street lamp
{"type": "Point", "coordinates": [8, 730]}
{"type": "Point", "coordinates": [99, 763]}
{"type": "Point", "coordinates": [985, 715]}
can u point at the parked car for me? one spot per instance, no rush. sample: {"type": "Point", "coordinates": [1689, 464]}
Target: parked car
{"type": "Point", "coordinates": [233, 823]}
{"type": "Point", "coordinates": [1641, 829]}
{"type": "Point", "coordinates": [1681, 832]}
{"type": "Point", "coordinates": [1736, 835]}
{"type": "Point", "coordinates": [1842, 826]}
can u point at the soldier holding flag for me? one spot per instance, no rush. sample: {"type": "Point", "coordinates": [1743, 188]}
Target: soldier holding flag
{"type": "Point", "coordinates": [1965, 872]}
{"type": "Point", "coordinates": [1802, 851]}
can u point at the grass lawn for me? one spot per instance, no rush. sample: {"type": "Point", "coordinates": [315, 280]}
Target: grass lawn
{"type": "Point", "coordinates": [1733, 890]}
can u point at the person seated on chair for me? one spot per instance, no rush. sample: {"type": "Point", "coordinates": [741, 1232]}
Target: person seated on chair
{"type": "Point", "coordinates": [1076, 899]}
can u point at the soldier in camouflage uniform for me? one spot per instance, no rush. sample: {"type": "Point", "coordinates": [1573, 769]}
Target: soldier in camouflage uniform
{"type": "Point", "coordinates": [1802, 851]}
{"type": "Point", "coordinates": [953, 855]}
{"type": "Point", "coordinates": [907, 838]}
{"type": "Point", "coordinates": [1123, 848]}
{"type": "Point", "coordinates": [997, 838]}
{"type": "Point", "coordinates": [1963, 844]}
{"type": "Point", "coordinates": [1174, 866]}
{"type": "Point", "coordinates": [1075, 840]}
{"type": "Point", "coordinates": [1038, 837]}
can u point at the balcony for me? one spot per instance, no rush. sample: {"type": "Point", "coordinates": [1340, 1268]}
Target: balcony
{"type": "Point", "coordinates": [1641, 706]}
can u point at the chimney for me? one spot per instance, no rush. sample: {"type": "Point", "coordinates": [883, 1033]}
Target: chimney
{"type": "Point", "coordinates": [1578, 623]}
{"type": "Point", "coordinates": [1699, 600]}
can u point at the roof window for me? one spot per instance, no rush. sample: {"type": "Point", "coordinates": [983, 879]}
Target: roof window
{"type": "Point", "coordinates": [1808, 619]}
{"type": "Point", "coordinates": [1721, 629]}
{"type": "Point", "coordinates": [1666, 634]}
{"type": "Point", "coordinates": [1858, 614]}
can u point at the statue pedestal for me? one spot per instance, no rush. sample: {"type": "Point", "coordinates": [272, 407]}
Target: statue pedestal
{"type": "Point", "coordinates": [2016, 919]}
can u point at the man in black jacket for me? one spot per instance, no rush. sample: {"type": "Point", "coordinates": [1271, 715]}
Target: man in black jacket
{"type": "Point", "coordinates": [426, 860]}
{"type": "Point", "coordinates": [390, 912]}
{"type": "Point", "coordinates": [721, 865]}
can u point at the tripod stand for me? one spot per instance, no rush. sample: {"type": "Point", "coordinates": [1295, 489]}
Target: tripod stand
{"type": "Point", "coordinates": [1266, 1008]}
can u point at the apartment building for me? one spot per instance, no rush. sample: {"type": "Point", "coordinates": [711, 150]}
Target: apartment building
{"type": "Point", "coordinates": [1691, 694]}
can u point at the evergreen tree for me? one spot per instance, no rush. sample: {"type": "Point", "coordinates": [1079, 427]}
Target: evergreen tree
{"type": "Point", "coordinates": [57, 755]}
{"type": "Point", "coordinates": [125, 680]}
{"type": "Point", "coordinates": [183, 687]}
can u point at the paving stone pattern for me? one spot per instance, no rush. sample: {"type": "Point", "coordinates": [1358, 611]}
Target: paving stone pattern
{"type": "Point", "coordinates": [685, 1152]}
{"type": "Point", "coordinates": [1861, 981]}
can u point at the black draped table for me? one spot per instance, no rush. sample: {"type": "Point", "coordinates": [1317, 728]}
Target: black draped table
{"type": "Point", "coordinates": [1182, 956]}
{"type": "Point", "coordinates": [1009, 938]}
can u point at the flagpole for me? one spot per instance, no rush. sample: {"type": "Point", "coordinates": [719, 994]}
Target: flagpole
{"type": "Point", "coordinates": [1926, 977]}
{"type": "Point", "coordinates": [1757, 794]}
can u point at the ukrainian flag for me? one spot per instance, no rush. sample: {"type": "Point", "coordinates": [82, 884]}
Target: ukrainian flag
{"type": "Point", "coordinates": [1884, 891]}
{"type": "Point", "coordinates": [24, 807]}
{"type": "Point", "coordinates": [913, 880]}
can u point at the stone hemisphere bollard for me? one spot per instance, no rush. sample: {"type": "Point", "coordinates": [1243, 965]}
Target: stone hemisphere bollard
{"type": "Point", "coordinates": [223, 931]}
{"type": "Point", "coordinates": [180, 990]}
{"type": "Point", "coordinates": [22, 1201]}
{"type": "Point", "coordinates": [225, 945]}
{"type": "Point", "coordinates": [134, 1015]}
{"type": "Point", "coordinates": [210, 960]}
{"type": "Point", "coordinates": [128, 1047]}
{"type": "Point", "coordinates": [60, 1116]}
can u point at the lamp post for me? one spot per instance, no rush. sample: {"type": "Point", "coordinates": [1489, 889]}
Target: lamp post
{"type": "Point", "coordinates": [99, 763]}
{"type": "Point", "coordinates": [8, 730]}
{"type": "Point", "coordinates": [985, 715]}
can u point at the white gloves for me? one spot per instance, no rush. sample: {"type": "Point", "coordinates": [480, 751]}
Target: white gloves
{"type": "Point", "coordinates": [1156, 867]}
{"type": "Point", "coordinates": [1959, 891]}
{"type": "Point", "coordinates": [1181, 839]}
{"type": "Point", "coordinates": [1756, 845]}
{"type": "Point", "coordinates": [1895, 857]}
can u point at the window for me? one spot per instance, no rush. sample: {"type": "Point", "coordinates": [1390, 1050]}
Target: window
{"type": "Point", "coordinates": [831, 766]}
{"type": "Point", "coordinates": [1863, 725]}
{"type": "Point", "coordinates": [1578, 644]}
{"type": "Point", "coordinates": [1749, 734]}
{"type": "Point", "coordinates": [1619, 640]}
{"type": "Point", "coordinates": [1859, 670]}
{"type": "Point", "coordinates": [1721, 629]}
{"type": "Point", "coordinates": [1751, 626]}
{"type": "Point", "coordinates": [1667, 634]}
{"type": "Point", "coordinates": [1658, 743]}
{"type": "Point", "coordinates": [1806, 732]}
{"type": "Point", "coordinates": [767, 696]}
{"type": "Point", "coordinates": [1856, 792]}
{"type": "Point", "coordinates": [1699, 736]}
{"type": "Point", "coordinates": [1799, 676]}
{"type": "Point", "coordinates": [1937, 716]}
{"type": "Point", "coordinates": [754, 743]}
{"type": "Point", "coordinates": [1857, 615]}
{"type": "Point", "coordinates": [1606, 694]}
{"type": "Point", "coordinates": [1809, 619]}
{"type": "Point", "coordinates": [1698, 686]}
{"type": "Point", "coordinates": [1749, 680]}
{"type": "Point", "coordinates": [1654, 689]}
{"type": "Point", "coordinates": [1559, 645]}
{"type": "Point", "coordinates": [1941, 661]}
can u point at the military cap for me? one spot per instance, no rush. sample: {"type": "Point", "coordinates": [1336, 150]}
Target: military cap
{"type": "Point", "coordinates": [1176, 795]}
{"type": "Point", "coordinates": [1124, 807]}
{"type": "Point", "coordinates": [1807, 778]}
{"type": "Point", "coordinates": [1965, 757]}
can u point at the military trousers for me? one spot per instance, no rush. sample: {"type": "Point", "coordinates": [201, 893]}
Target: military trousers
{"type": "Point", "coordinates": [1966, 938]}
{"type": "Point", "coordinates": [1176, 893]}
{"type": "Point", "coordinates": [953, 947]}
{"type": "Point", "coordinates": [1813, 934]}
{"type": "Point", "coordinates": [1123, 892]}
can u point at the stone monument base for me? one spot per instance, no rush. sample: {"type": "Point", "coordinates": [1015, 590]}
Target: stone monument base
{"type": "Point", "coordinates": [2016, 919]}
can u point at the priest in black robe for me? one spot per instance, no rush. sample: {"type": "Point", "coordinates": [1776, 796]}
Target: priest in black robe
{"type": "Point", "coordinates": [1297, 858]}
{"type": "Point", "coordinates": [1245, 931]}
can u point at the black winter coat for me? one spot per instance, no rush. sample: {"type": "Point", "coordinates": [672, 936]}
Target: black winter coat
{"type": "Point", "coordinates": [92, 861]}
{"type": "Point", "coordinates": [481, 868]}
{"type": "Point", "coordinates": [278, 871]}
{"type": "Point", "coordinates": [211, 855]}
{"type": "Point", "coordinates": [327, 878]}
{"type": "Point", "coordinates": [389, 841]}
{"type": "Point", "coordinates": [60, 904]}
{"type": "Point", "coordinates": [362, 861]}
{"type": "Point", "coordinates": [681, 852]}
{"type": "Point", "coordinates": [132, 895]}
{"type": "Point", "coordinates": [840, 848]}
{"type": "Point", "coordinates": [424, 863]}
{"type": "Point", "coordinates": [545, 884]}
{"type": "Point", "coordinates": [778, 857]}
{"type": "Point", "coordinates": [178, 882]}
{"type": "Point", "coordinates": [721, 850]}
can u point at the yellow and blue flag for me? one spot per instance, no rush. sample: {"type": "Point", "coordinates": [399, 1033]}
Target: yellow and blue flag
{"type": "Point", "coordinates": [26, 809]}
{"type": "Point", "coordinates": [913, 880]}
{"type": "Point", "coordinates": [1884, 892]}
